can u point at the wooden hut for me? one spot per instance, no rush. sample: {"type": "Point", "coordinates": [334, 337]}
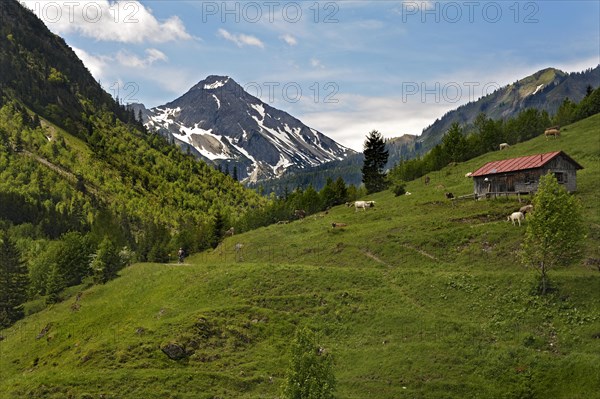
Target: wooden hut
{"type": "Point", "coordinates": [522, 175]}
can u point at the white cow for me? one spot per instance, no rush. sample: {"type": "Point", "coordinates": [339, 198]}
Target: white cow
{"type": "Point", "coordinates": [363, 205]}
{"type": "Point", "coordinates": [504, 146]}
{"type": "Point", "coordinates": [518, 216]}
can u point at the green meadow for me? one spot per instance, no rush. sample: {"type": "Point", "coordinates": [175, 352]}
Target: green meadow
{"type": "Point", "coordinates": [418, 297]}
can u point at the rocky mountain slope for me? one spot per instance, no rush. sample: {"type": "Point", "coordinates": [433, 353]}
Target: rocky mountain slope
{"type": "Point", "coordinates": [222, 123]}
{"type": "Point", "coordinates": [545, 90]}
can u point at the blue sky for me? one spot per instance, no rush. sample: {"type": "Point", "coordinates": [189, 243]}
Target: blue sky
{"type": "Point", "coordinates": [344, 68]}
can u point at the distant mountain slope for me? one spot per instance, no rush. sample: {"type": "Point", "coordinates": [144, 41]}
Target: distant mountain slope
{"type": "Point", "coordinates": [544, 90]}
{"type": "Point", "coordinates": [224, 124]}
{"type": "Point", "coordinates": [349, 169]}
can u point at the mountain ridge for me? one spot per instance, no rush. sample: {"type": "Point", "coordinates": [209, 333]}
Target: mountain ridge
{"type": "Point", "coordinates": [543, 90]}
{"type": "Point", "coordinates": [225, 125]}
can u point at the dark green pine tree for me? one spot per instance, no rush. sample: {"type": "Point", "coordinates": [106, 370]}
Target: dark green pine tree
{"type": "Point", "coordinates": [55, 284]}
{"type": "Point", "coordinates": [106, 263]}
{"type": "Point", "coordinates": [376, 157]}
{"type": "Point", "coordinates": [454, 144]}
{"type": "Point", "coordinates": [235, 173]}
{"type": "Point", "coordinates": [216, 229]}
{"type": "Point", "coordinates": [13, 282]}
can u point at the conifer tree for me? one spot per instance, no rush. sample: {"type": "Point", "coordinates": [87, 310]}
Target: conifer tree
{"type": "Point", "coordinates": [13, 282]}
{"type": "Point", "coordinates": [106, 261]}
{"type": "Point", "coordinates": [455, 144]}
{"type": "Point", "coordinates": [376, 157]}
{"type": "Point", "coordinates": [55, 284]}
{"type": "Point", "coordinates": [217, 228]}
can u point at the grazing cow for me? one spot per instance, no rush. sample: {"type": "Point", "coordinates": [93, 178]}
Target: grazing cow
{"type": "Point", "coordinates": [504, 146]}
{"type": "Point", "coordinates": [427, 180]}
{"type": "Point", "coordinates": [518, 216]}
{"type": "Point", "coordinates": [300, 213]}
{"type": "Point", "coordinates": [408, 193]}
{"type": "Point", "coordinates": [553, 131]}
{"type": "Point", "coordinates": [449, 195]}
{"type": "Point", "coordinates": [526, 209]}
{"type": "Point", "coordinates": [363, 205]}
{"type": "Point", "coordinates": [230, 232]}
{"type": "Point", "coordinates": [470, 174]}
{"type": "Point", "coordinates": [334, 225]}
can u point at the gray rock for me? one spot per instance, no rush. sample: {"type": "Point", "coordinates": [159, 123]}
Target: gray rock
{"type": "Point", "coordinates": [174, 351]}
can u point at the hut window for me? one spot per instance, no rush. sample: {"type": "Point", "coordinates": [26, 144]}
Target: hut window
{"type": "Point", "coordinates": [561, 177]}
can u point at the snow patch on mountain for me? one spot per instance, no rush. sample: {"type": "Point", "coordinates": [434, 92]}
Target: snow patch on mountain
{"type": "Point", "coordinates": [231, 127]}
{"type": "Point", "coordinates": [261, 111]}
{"type": "Point", "coordinates": [216, 85]}
{"type": "Point", "coordinates": [166, 116]}
{"type": "Point", "coordinates": [218, 101]}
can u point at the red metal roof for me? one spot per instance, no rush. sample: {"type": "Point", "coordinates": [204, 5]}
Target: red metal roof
{"type": "Point", "coordinates": [521, 163]}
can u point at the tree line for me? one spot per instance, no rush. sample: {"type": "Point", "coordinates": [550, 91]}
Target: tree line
{"type": "Point", "coordinates": [462, 143]}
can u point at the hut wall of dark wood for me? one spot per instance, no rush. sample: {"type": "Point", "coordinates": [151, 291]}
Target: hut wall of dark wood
{"type": "Point", "coordinates": [526, 181]}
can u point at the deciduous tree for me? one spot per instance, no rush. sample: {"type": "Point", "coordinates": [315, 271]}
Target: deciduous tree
{"type": "Point", "coordinates": [555, 231]}
{"type": "Point", "coordinates": [310, 373]}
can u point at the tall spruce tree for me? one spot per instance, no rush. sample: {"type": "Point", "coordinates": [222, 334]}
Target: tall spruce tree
{"type": "Point", "coordinates": [376, 157]}
{"type": "Point", "coordinates": [13, 282]}
{"type": "Point", "coordinates": [106, 262]}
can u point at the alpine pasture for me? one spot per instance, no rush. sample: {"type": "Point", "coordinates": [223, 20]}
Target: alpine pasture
{"type": "Point", "coordinates": [417, 297]}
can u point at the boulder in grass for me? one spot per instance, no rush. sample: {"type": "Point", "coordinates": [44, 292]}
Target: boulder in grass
{"type": "Point", "coordinates": [174, 350]}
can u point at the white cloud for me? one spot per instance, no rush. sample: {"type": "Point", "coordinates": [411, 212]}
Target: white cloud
{"type": "Point", "coordinates": [95, 64]}
{"type": "Point", "coordinates": [241, 39]}
{"type": "Point", "coordinates": [354, 116]}
{"type": "Point", "coordinates": [316, 63]}
{"type": "Point", "coordinates": [131, 60]}
{"type": "Point", "coordinates": [289, 39]}
{"type": "Point", "coordinates": [119, 21]}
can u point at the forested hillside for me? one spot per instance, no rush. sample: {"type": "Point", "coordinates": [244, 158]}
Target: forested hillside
{"type": "Point", "coordinates": [81, 178]}
{"type": "Point", "coordinates": [41, 70]}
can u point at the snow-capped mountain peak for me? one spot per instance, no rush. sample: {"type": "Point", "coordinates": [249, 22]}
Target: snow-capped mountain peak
{"type": "Point", "coordinates": [223, 124]}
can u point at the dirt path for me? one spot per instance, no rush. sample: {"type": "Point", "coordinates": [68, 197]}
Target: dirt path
{"type": "Point", "coordinates": [63, 172]}
{"type": "Point", "coordinates": [371, 255]}
{"type": "Point", "coordinates": [420, 252]}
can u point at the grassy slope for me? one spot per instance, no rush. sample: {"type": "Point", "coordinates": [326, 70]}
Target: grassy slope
{"type": "Point", "coordinates": [417, 298]}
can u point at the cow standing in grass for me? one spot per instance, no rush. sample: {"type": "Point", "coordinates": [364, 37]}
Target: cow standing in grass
{"type": "Point", "coordinates": [363, 205]}
{"type": "Point", "coordinates": [516, 216]}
